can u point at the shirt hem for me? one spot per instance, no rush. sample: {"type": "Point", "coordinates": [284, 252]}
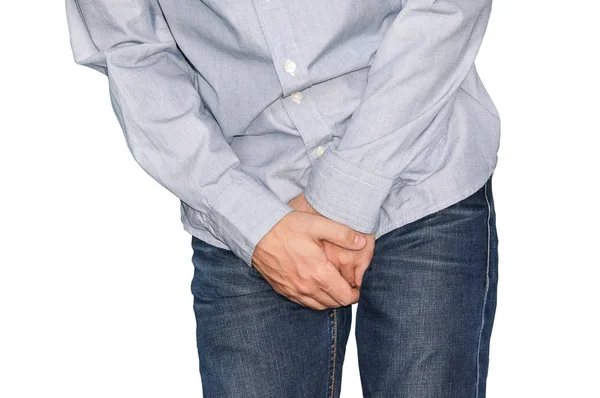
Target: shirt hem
{"type": "Point", "coordinates": [384, 227]}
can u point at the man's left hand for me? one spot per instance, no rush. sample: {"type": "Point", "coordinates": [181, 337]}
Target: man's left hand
{"type": "Point", "coordinates": [352, 264]}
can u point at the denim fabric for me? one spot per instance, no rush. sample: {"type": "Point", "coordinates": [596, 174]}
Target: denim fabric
{"type": "Point", "coordinates": [423, 322]}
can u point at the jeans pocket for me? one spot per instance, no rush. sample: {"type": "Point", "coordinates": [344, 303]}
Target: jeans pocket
{"type": "Point", "coordinates": [219, 272]}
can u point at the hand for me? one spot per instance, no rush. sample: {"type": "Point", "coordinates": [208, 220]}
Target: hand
{"type": "Point", "coordinates": [352, 264]}
{"type": "Point", "coordinates": [291, 259]}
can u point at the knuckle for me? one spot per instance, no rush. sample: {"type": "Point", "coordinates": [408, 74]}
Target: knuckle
{"type": "Point", "coordinates": [344, 234]}
{"type": "Point", "coordinates": [322, 283]}
{"type": "Point", "coordinates": [303, 289]}
{"type": "Point", "coordinates": [321, 276]}
{"type": "Point", "coordinates": [300, 290]}
{"type": "Point", "coordinates": [348, 300]}
{"type": "Point", "coordinates": [345, 259]}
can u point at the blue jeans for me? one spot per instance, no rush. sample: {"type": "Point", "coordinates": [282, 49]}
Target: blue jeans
{"type": "Point", "coordinates": [423, 320]}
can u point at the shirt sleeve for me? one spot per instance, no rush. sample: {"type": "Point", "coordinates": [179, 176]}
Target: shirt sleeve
{"type": "Point", "coordinates": [171, 134]}
{"type": "Point", "coordinates": [414, 77]}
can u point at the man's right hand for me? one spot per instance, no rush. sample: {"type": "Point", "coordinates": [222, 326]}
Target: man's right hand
{"type": "Point", "coordinates": [292, 260]}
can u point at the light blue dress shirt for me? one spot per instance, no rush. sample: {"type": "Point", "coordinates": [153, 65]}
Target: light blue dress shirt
{"type": "Point", "coordinates": [373, 108]}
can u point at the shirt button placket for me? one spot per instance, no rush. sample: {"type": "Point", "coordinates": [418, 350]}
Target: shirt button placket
{"type": "Point", "coordinates": [289, 66]}
{"type": "Point", "coordinates": [321, 149]}
{"type": "Point", "coordinates": [293, 75]}
{"type": "Point", "coordinates": [297, 97]}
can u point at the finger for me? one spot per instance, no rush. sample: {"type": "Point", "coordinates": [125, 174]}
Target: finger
{"type": "Point", "coordinates": [309, 302]}
{"type": "Point", "coordinates": [338, 233]}
{"type": "Point", "coordinates": [359, 272]}
{"type": "Point", "coordinates": [324, 298]}
{"type": "Point", "coordinates": [316, 293]}
{"type": "Point", "coordinates": [319, 301]}
{"type": "Point", "coordinates": [321, 279]}
{"type": "Point", "coordinates": [348, 274]}
{"type": "Point", "coordinates": [342, 261]}
{"type": "Point", "coordinates": [337, 287]}
{"type": "Point", "coordinates": [302, 300]}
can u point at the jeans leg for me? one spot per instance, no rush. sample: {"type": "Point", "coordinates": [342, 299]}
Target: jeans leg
{"type": "Point", "coordinates": [427, 304]}
{"type": "Point", "coordinates": [254, 342]}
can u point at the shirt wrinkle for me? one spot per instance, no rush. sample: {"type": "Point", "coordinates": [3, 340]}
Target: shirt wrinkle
{"type": "Point", "coordinates": [310, 96]}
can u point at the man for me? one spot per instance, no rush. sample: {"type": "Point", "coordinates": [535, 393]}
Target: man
{"type": "Point", "coordinates": [325, 152]}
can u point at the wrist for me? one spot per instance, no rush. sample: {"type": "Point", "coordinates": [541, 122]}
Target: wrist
{"type": "Point", "coordinates": [301, 204]}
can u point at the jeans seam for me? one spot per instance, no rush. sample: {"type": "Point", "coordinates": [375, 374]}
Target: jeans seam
{"type": "Point", "coordinates": [334, 352]}
{"type": "Point", "coordinates": [487, 285]}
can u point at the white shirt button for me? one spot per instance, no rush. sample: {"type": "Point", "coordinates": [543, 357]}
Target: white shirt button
{"type": "Point", "coordinates": [321, 150]}
{"type": "Point", "coordinates": [289, 66]}
{"type": "Point", "coordinates": [297, 97]}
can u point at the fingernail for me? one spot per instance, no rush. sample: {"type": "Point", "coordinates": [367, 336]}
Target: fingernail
{"type": "Point", "coordinates": [360, 240]}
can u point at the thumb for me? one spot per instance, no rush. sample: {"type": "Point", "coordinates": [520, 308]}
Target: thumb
{"type": "Point", "coordinates": [339, 234]}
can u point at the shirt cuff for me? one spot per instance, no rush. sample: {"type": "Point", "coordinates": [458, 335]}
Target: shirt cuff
{"type": "Point", "coordinates": [346, 193]}
{"type": "Point", "coordinates": [243, 213]}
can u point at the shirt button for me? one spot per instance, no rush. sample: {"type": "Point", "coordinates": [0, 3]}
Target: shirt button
{"type": "Point", "coordinates": [321, 150]}
{"type": "Point", "coordinates": [289, 66]}
{"type": "Point", "coordinates": [297, 97]}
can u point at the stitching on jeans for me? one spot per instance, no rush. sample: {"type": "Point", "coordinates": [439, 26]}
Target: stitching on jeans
{"type": "Point", "coordinates": [334, 348]}
{"type": "Point", "coordinates": [487, 284]}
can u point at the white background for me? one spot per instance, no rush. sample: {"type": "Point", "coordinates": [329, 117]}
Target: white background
{"type": "Point", "coordinates": [95, 266]}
